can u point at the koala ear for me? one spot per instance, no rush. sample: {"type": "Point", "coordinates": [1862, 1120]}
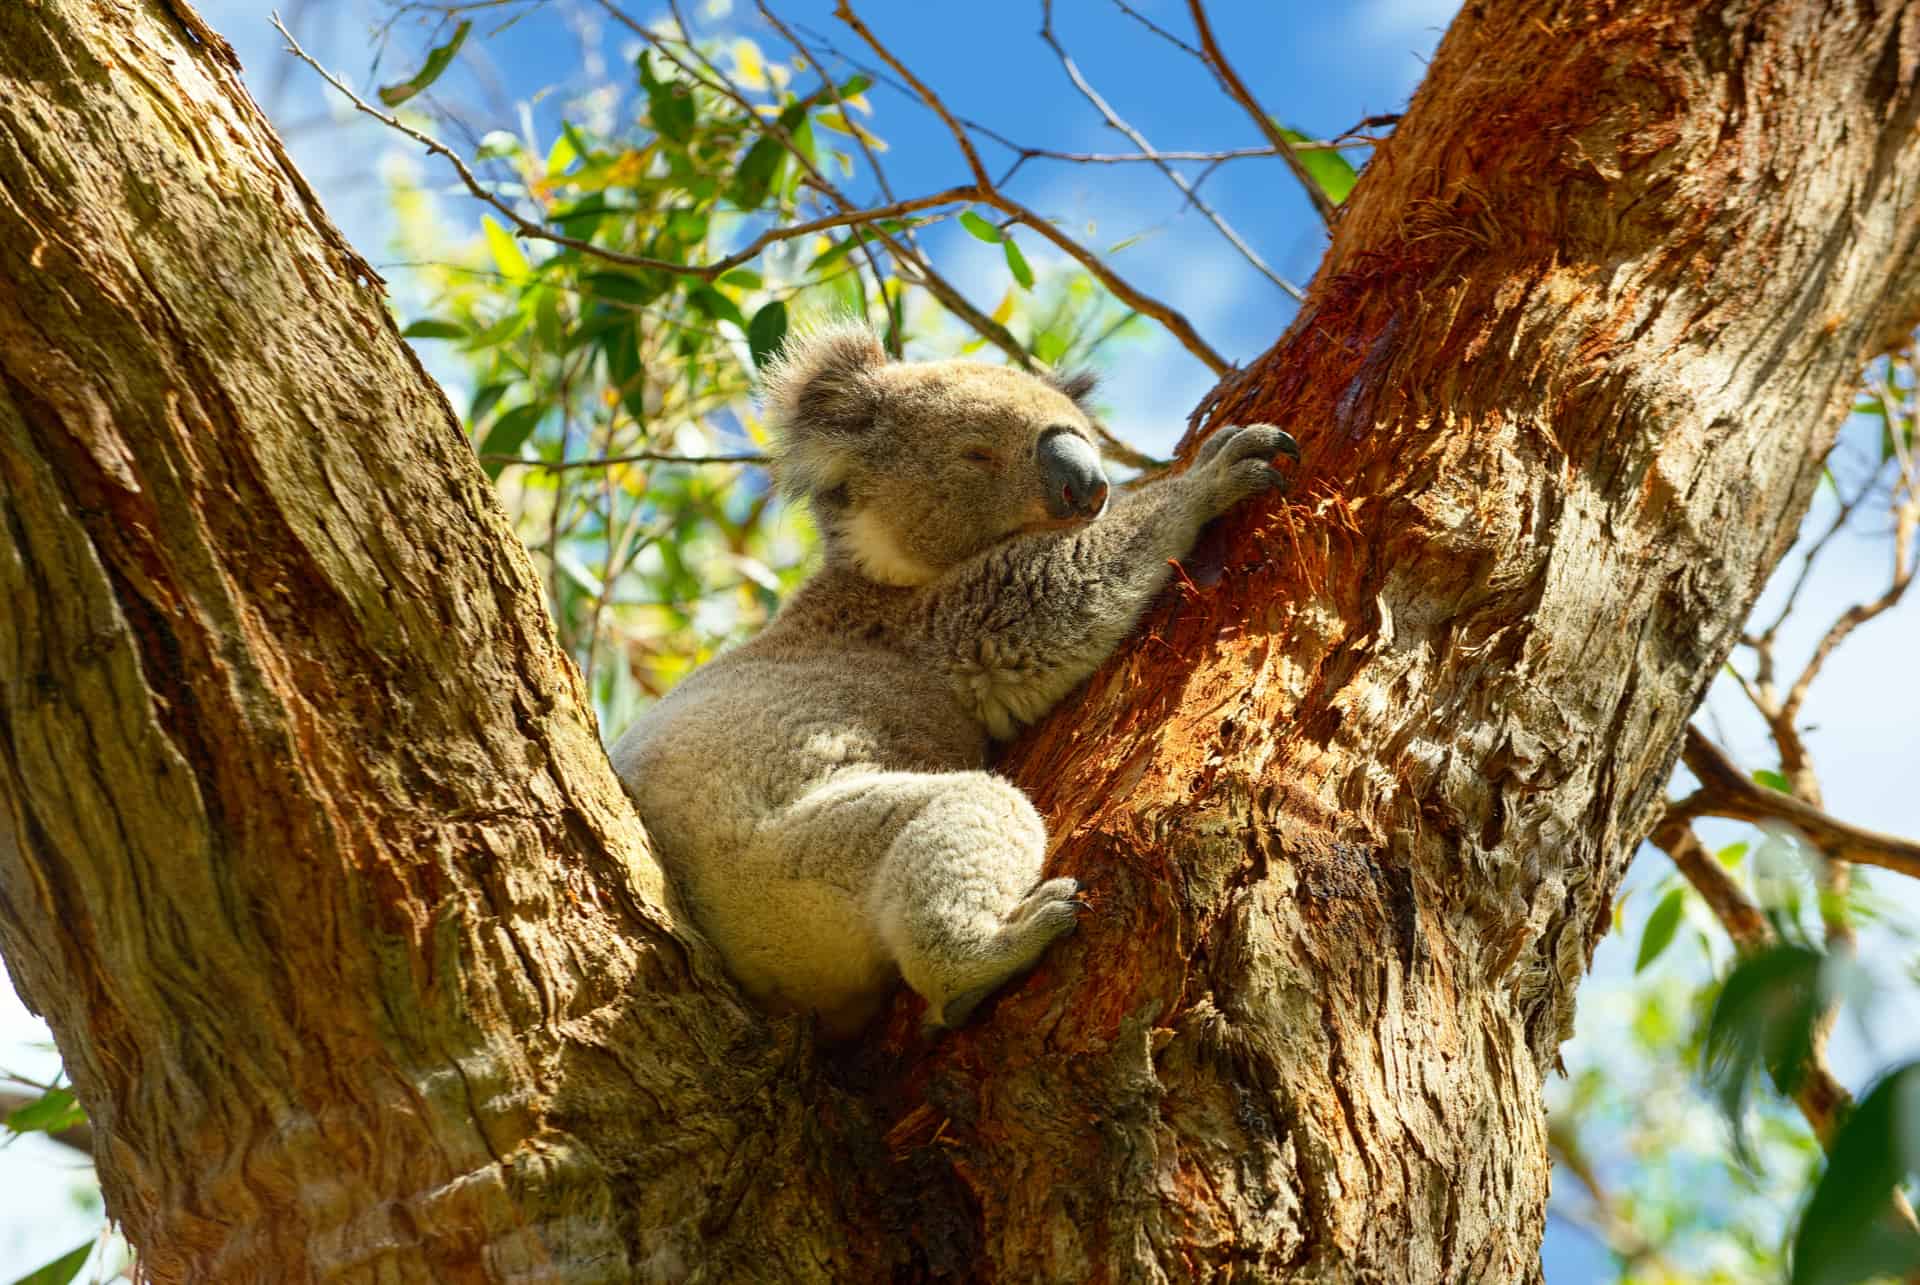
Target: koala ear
{"type": "Point", "coordinates": [1078, 385]}
{"type": "Point", "coordinates": [819, 396]}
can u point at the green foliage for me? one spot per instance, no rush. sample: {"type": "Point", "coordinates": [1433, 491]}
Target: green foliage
{"type": "Point", "coordinates": [592, 379]}
{"type": "Point", "coordinates": [54, 1110]}
{"type": "Point", "coordinates": [1331, 172]}
{"type": "Point", "coordinates": [1661, 926]}
{"type": "Point", "coordinates": [60, 1270]}
{"type": "Point", "coordinates": [1763, 1018]}
{"type": "Point", "coordinates": [1847, 1232]}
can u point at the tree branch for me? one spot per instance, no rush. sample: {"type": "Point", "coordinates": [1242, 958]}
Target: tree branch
{"type": "Point", "coordinates": [1176, 324]}
{"type": "Point", "coordinates": [1179, 180]}
{"type": "Point", "coordinates": [634, 457]}
{"type": "Point", "coordinates": [1822, 1099]}
{"type": "Point", "coordinates": [1236, 88]}
{"type": "Point", "coordinates": [526, 227]}
{"type": "Point", "coordinates": [1725, 791]}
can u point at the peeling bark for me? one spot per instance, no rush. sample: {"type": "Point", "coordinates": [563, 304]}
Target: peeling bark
{"type": "Point", "coordinates": [310, 855]}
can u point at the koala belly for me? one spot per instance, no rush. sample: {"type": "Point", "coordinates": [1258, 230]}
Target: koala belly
{"type": "Point", "coordinates": [796, 945]}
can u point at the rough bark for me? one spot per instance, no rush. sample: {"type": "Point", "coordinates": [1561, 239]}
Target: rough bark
{"type": "Point", "coordinates": [310, 856]}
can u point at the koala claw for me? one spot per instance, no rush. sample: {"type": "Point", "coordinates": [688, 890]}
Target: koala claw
{"type": "Point", "coordinates": [1237, 462]}
{"type": "Point", "coordinates": [1051, 908]}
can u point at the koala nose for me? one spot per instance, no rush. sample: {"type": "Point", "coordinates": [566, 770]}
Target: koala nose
{"type": "Point", "coordinates": [1070, 469]}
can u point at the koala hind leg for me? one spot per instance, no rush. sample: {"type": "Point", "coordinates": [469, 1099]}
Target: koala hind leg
{"type": "Point", "coordinates": [958, 898]}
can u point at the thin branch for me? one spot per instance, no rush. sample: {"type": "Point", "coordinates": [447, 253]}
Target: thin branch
{"type": "Point", "coordinates": [633, 457]}
{"type": "Point", "coordinates": [1814, 550]}
{"type": "Point", "coordinates": [1238, 91]}
{"type": "Point", "coordinates": [844, 11]}
{"type": "Point", "coordinates": [1158, 30]}
{"type": "Point", "coordinates": [1605, 1221]}
{"type": "Point", "coordinates": [1725, 791]}
{"type": "Point", "coordinates": [705, 272]}
{"type": "Point", "coordinates": [1176, 324]}
{"type": "Point", "coordinates": [1906, 516]}
{"type": "Point", "coordinates": [923, 272]}
{"type": "Point", "coordinates": [896, 324]}
{"type": "Point", "coordinates": [1139, 140]}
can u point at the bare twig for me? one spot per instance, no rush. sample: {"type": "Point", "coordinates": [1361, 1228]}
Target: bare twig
{"type": "Point", "coordinates": [1906, 516]}
{"type": "Point", "coordinates": [1725, 791]}
{"type": "Point", "coordinates": [1605, 1220]}
{"type": "Point", "coordinates": [705, 272]}
{"type": "Point", "coordinates": [1175, 324]}
{"type": "Point", "coordinates": [844, 11]}
{"type": "Point", "coordinates": [1238, 91]}
{"type": "Point", "coordinates": [1179, 180]}
{"type": "Point", "coordinates": [1158, 30]}
{"type": "Point", "coordinates": [895, 336]}
{"type": "Point", "coordinates": [631, 457]}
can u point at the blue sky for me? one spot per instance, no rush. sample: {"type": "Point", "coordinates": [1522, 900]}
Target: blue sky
{"type": "Point", "coordinates": [1318, 67]}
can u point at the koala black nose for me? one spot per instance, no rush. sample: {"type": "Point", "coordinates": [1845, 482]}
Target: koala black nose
{"type": "Point", "coordinates": [1070, 468]}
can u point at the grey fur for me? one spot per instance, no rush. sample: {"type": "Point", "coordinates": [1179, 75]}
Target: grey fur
{"type": "Point", "coordinates": [818, 793]}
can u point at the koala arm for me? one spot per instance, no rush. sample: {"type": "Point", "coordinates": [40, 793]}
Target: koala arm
{"type": "Point", "coordinates": [1019, 626]}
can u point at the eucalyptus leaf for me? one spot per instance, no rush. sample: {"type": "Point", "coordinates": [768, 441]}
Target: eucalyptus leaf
{"type": "Point", "coordinates": [716, 305]}
{"type": "Point", "coordinates": [61, 1270]}
{"type": "Point", "coordinates": [52, 1111]}
{"type": "Point", "coordinates": [767, 332]}
{"type": "Point", "coordinates": [753, 180]}
{"type": "Point", "coordinates": [1017, 264]}
{"type": "Point", "coordinates": [509, 433]}
{"type": "Point", "coordinates": [1847, 1232]}
{"type": "Point", "coordinates": [985, 231]}
{"type": "Point", "coordinates": [1662, 924]}
{"type": "Point", "coordinates": [508, 257]}
{"type": "Point", "coordinates": [438, 60]}
{"type": "Point", "coordinates": [1762, 1019]}
{"type": "Point", "coordinates": [1331, 172]}
{"type": "Point", "coordinates": [434, 328]}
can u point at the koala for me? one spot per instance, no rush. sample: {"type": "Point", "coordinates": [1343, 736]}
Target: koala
{"type": "Point", "coordinates": [819, 794]}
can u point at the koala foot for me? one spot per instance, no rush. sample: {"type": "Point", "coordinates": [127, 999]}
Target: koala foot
{"type": "Point", "coordinates": [1051, 911]}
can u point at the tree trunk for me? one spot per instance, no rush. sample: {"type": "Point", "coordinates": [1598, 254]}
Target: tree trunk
{"type": "Point", "coordinates": [310, 855]}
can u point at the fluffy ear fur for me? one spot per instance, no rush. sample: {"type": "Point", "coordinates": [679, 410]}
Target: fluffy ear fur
{"type": "Point", "coordinates": [1078, 385]}
{"type": "Point", "coordinates": [819, 396]}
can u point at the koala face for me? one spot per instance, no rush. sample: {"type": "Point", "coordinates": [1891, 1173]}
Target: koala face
{"type": "Point", "coordinates": [913, 467]}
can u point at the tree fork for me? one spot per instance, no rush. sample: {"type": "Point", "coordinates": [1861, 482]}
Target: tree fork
{"type": "Point", "coordinates": [310, 856]}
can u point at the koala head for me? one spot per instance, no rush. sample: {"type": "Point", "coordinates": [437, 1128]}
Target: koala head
{"type": "Point", "coordinates": [913, 467]}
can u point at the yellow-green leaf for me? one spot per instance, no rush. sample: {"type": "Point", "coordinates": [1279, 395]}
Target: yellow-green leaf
{"type": "Point", "coordinates": [1330, 171]}
{"type": "Point", "coordinates": [980, 228]}
{"type": "Point", "coordinates": [507, 254]}
{"type": "Point", "coordinates": [1017, 264]}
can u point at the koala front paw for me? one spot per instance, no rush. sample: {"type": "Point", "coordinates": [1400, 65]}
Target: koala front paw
{"type": "Point", "coordinates": [1237, 462]}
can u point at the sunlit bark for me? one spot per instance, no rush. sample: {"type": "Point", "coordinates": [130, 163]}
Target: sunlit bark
{"type": "Point", "coordinates": [310, 856]}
